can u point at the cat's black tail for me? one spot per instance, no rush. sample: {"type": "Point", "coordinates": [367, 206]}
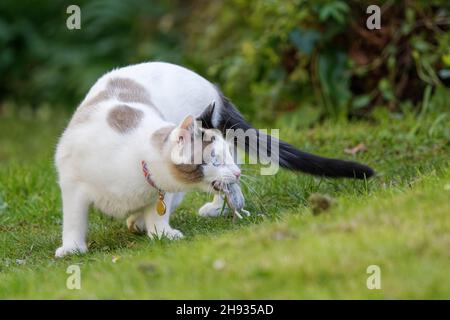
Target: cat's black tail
{"type": "Point", "coordinates": [228, 117]}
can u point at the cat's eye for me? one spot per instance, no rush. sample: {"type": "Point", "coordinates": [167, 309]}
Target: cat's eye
{"type": "Point", "coordinates": [214, 161]}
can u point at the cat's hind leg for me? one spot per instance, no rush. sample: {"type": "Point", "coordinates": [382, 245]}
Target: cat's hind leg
{"type": "Point", "coordinates": [212, 209]}
{"type": "Point", "coordinates": [136, 223]}
{"type": "Point", "coordinates": [75, 219]}
{"type": "Point", "coordinates": [158, 226]}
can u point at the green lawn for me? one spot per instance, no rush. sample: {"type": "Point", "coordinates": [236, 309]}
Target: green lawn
{"type": "Point", "coordinates": [399, 221]}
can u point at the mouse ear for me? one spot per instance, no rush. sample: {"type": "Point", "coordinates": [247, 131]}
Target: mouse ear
{"type": "Point", "coordinates": [206, 116]}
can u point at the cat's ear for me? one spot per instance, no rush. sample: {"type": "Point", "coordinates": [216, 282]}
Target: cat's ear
{"type": "Point", "coordinates": [185, 129]}
{"type": "Point", "coordinates": [187, 123]}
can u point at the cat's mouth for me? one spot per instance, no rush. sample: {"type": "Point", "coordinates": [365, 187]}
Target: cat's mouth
{"type": "Point", "coordinates": [217, 185]}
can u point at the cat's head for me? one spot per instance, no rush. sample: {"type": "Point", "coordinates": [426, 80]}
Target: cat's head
{"type": "Point", "coordinates": [198, 157]}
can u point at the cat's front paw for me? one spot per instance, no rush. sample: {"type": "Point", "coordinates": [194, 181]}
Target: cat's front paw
{"type": "Point", "coordinates": [211, 209]}
{"type": "Point", "coordinates": [68, 250]}
{"type": "Point", "coordinates": [158, 232]}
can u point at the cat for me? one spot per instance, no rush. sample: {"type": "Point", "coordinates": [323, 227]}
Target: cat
{"type": "Point", "coordinates": [117, 152]}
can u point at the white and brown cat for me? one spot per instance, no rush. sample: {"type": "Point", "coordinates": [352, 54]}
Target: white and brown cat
{"type": "Point", "coordinates": [140, 116]}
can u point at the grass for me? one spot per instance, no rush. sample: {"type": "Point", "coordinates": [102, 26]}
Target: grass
{"type": "Point", "coordinates": [399, 220]}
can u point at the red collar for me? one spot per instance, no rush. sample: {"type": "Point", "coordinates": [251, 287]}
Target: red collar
{"type": "Point", "coordinates": [147, 176]}
{"type": "Point", "coordinates": [160, 204]}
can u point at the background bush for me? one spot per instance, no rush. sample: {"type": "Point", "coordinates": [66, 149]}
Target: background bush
{"type": "Point", "coordinates": [296, 61]}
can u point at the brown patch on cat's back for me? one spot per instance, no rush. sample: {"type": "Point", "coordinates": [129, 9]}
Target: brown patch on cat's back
{"type": "Point", "coordinates": [96, 99]}
{"type": "Point", "coordinates": [123, 118]}
{"type": "Point", "coordinates": [129, 91]}
{"type": "Point", "coordinates": [125, 90]}
{"type": "Point", "coordinates": [87, 107]}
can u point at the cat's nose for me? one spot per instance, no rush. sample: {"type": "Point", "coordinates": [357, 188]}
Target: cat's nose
{"type": "Point", "coordinates": [237, 174]}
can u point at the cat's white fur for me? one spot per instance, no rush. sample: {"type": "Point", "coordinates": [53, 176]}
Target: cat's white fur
{"type": "Point", "coordinates": [102, 167]}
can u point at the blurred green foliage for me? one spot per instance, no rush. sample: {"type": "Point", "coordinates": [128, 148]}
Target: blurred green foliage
{"type": "Point", "coordinates": [42, 61]}
{"type": "Point", "coordinates": [297, 61]}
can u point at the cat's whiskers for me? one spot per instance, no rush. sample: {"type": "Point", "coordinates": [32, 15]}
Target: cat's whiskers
{"type": "Point", "coordinates": [210, 190]}
{"type": "Point", "coordinates": [258, 198]}
{"type": "Point", "coordinates": [246, 176]}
